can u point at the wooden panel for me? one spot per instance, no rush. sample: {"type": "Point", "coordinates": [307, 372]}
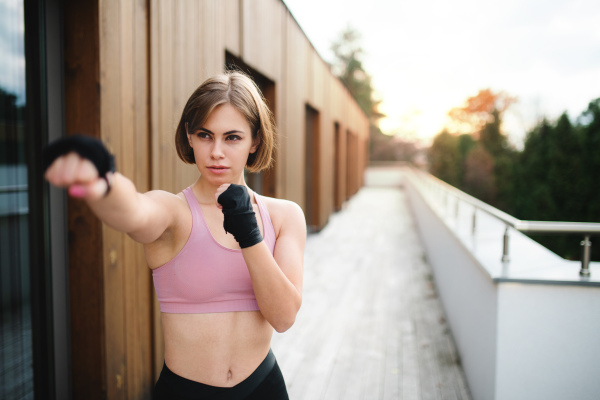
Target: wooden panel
{"type": "Point", "coordinates": [155, 167]}
{"type": "Point", "coordinates": [165, 160]}
{"type": "Point", "coordinates": [262, 35]}
{"type": "Point", "coordinates": [231, 12]}
{"type": "Point", "coordinates": [326, 160]}
{"type": "Point", "coordinates": [295, 84]}
{"type": "Point", "coordinates": [139, 377]}
{"type": "Point", "coordinates": [214, 42]}
{"type": "Point", "coordinates": [86, 289]}
{"type": "Point", "coordinates": [124, 127]}
{"type": "Point", "coordinates": [110, 127]}
{"type": "Point", "coordinates": [182, 45]}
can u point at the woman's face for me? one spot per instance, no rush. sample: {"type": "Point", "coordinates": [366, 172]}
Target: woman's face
{"type": "Point", "coordinates": [222, 145]}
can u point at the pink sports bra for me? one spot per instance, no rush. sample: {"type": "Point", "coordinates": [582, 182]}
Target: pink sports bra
{"type": "Point", "coordinates": [207, 277]}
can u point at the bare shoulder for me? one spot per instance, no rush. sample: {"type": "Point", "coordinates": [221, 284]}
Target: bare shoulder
{"type": "Point", "coordinates": [285, 214]}
{"type": "Point", "coordinates": [166, 197]}
{"type": "Point", "coordinates": [175, 206]}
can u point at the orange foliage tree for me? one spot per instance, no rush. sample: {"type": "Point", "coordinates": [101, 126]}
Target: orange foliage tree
{"type": "Point", "coordinates": [478, 110]}
{"type": "Point", "coordinates": [482, 163]}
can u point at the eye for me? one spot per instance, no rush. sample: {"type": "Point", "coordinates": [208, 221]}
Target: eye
{"type": "Point", "coordinates": [203, 135]}
{"type": "Point", "coordinates": [234, 138]}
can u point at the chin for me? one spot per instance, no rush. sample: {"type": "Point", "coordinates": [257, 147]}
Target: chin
{"type": "Point", "coordinates": [221, 179]}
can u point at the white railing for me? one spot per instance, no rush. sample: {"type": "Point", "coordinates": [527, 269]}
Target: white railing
{"type": "Point", "coordinates": [448, 196]}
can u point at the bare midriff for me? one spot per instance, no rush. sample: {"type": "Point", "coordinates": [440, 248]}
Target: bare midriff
{"type": "Point", "coordinates": [217, 349]}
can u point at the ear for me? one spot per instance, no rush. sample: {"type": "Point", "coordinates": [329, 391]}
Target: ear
{"type": "Point", "coordinates": [189, 137]}
{"type": "Point", "coordinates": [255, 143]}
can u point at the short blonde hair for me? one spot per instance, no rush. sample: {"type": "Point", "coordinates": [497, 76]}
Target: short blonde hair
{"type": "Point", "coordinates": [240, 91]}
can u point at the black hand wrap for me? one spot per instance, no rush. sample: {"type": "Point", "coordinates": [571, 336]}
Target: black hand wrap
{"type": "Point", "coordinates": [87, 147]}
{"type": "Point", "coordinates": [240, 219]}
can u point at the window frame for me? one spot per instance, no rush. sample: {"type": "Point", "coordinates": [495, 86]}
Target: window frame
{"type": "Point", "coordinates": [47, 206]}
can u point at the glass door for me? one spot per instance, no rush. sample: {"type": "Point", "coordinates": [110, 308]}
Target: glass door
{"type": "Point", "coordinates": [16, 352]}
{"type": "Point", "coordinates": [34, 341]}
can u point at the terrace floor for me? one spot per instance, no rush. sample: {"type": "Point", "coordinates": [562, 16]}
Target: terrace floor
{"type": "Point", "coordinates": [371, 325]}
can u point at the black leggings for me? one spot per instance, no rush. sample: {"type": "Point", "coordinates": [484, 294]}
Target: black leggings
{"type": "Point", "coordinates": [265, 383]}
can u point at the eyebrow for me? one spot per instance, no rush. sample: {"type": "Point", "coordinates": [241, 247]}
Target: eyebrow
{"type": "Point", "coordinates": [226, 133]}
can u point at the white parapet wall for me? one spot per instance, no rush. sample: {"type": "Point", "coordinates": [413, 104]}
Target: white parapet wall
{"type": "Point", "coordinates": [528, 328]}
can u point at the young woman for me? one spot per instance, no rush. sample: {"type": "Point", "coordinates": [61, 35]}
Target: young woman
{"type": "Point", "coordinates": [226, 262]}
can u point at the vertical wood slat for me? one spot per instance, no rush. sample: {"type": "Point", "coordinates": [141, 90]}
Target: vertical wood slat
{"type": "Point", "coordinates": [178, 77]}
{"type": "Point", "coordinates": [155, 123]}
{"type": "Point", "coordinates": [124, 127]}
{"type": "Point", "coordinates": [110, 127]}
{"type": "Point", "coordinates": [231, 31]}
{"type": "Point", "coordinates": [138, 377]}
{"type": "Point", "coordinates": [85, 255]}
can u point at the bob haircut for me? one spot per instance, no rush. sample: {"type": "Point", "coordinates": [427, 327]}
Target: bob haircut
{"type": "Point", "coordinates": [240, 91]}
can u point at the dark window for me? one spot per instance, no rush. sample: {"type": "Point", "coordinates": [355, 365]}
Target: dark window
{"type": "Point", "coordinates": [312, 167]}
{"type": "Point", "coordinates": [33, 284]}
{"type": "Point", "coordinates": [16, 352]}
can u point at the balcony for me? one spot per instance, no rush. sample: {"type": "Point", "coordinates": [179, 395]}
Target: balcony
{"type": "Point", "coordinates": [408, 295]}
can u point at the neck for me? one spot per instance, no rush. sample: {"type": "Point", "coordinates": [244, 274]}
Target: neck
{"type": "Point", "coordinates": [207, 189]}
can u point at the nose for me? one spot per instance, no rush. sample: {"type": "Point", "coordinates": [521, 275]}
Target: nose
{"type": "Point", "coordinates": [216, 152]}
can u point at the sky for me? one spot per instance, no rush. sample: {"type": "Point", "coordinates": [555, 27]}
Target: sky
{"type": "Point", "coordinates": [428, 56]}
{"type": "Point", "coordinates": [12, 66]}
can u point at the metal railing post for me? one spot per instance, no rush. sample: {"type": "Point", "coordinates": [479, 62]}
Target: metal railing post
{"type": "Point", "coordinates": [439, 193]}
{"type": "Point", "coordinates": [586, 247]}
{"type": "Point", "coordinates": [505, 257]}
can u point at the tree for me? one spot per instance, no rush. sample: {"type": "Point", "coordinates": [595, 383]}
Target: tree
{"type": "Point", "coordinates": [532, 195]}
{"type": "Point", "coordinates": [565, 169]}
{"type": "Point", "coordinates": [9, 110]}
{"type": "Point", "coordinates": [466, 144]}
{"type": "Point", "coordinates": [490, 136]}
{"type": "Point", "coordinates": [479, 110]}
{"type": "Point", "coordinates": [479, 178]}
{"type": "Point", "coordinates": [590, 143]}
{"type": "Point", "coordinates": [480, 120]}
{"type": "Point", "coordinates": [349, 68]}
{"type": "Point", "coordinates": [11, 129]}
{"type": "Point", "coordinates": [381, 146]}
{"type": "Point", "coordinates": [444, 158]}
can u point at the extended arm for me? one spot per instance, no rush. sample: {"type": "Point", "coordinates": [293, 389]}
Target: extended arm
{"type": "Point", "coordinates": [144, 217]}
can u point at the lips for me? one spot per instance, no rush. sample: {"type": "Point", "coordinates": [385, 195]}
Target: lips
{"type": "Point", "coordinates": [217, 169]}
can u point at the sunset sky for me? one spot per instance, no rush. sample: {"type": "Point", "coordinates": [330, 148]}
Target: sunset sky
{"type": "Point", "coordinates": [428, 56]}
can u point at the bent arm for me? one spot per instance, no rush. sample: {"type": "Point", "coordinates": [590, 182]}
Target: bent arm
{"type": "Point", "coordinates": [277, 278]}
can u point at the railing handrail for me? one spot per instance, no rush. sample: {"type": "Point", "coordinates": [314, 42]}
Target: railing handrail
{"type": "Point", "coordinates": [583, 228]}
{"type": "Point", "coordinates": [518, 224]}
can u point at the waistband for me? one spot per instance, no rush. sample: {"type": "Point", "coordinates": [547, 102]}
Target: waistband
{"type": "Point", "coordinates": [185, 387]}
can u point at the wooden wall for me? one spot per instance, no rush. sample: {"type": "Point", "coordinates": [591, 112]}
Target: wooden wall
{"type": "Point", "coordinates": [85, 251]}
{"type": "Point", "coordinates": [124, 127]}
{"type": "Point", "coordinates": [127, 83]}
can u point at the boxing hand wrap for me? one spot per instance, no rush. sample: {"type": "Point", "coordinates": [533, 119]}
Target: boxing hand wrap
{"type": "Point", "coordinates": [87, 147]}
{"type": "Point", "coordinates": [240, 219]}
